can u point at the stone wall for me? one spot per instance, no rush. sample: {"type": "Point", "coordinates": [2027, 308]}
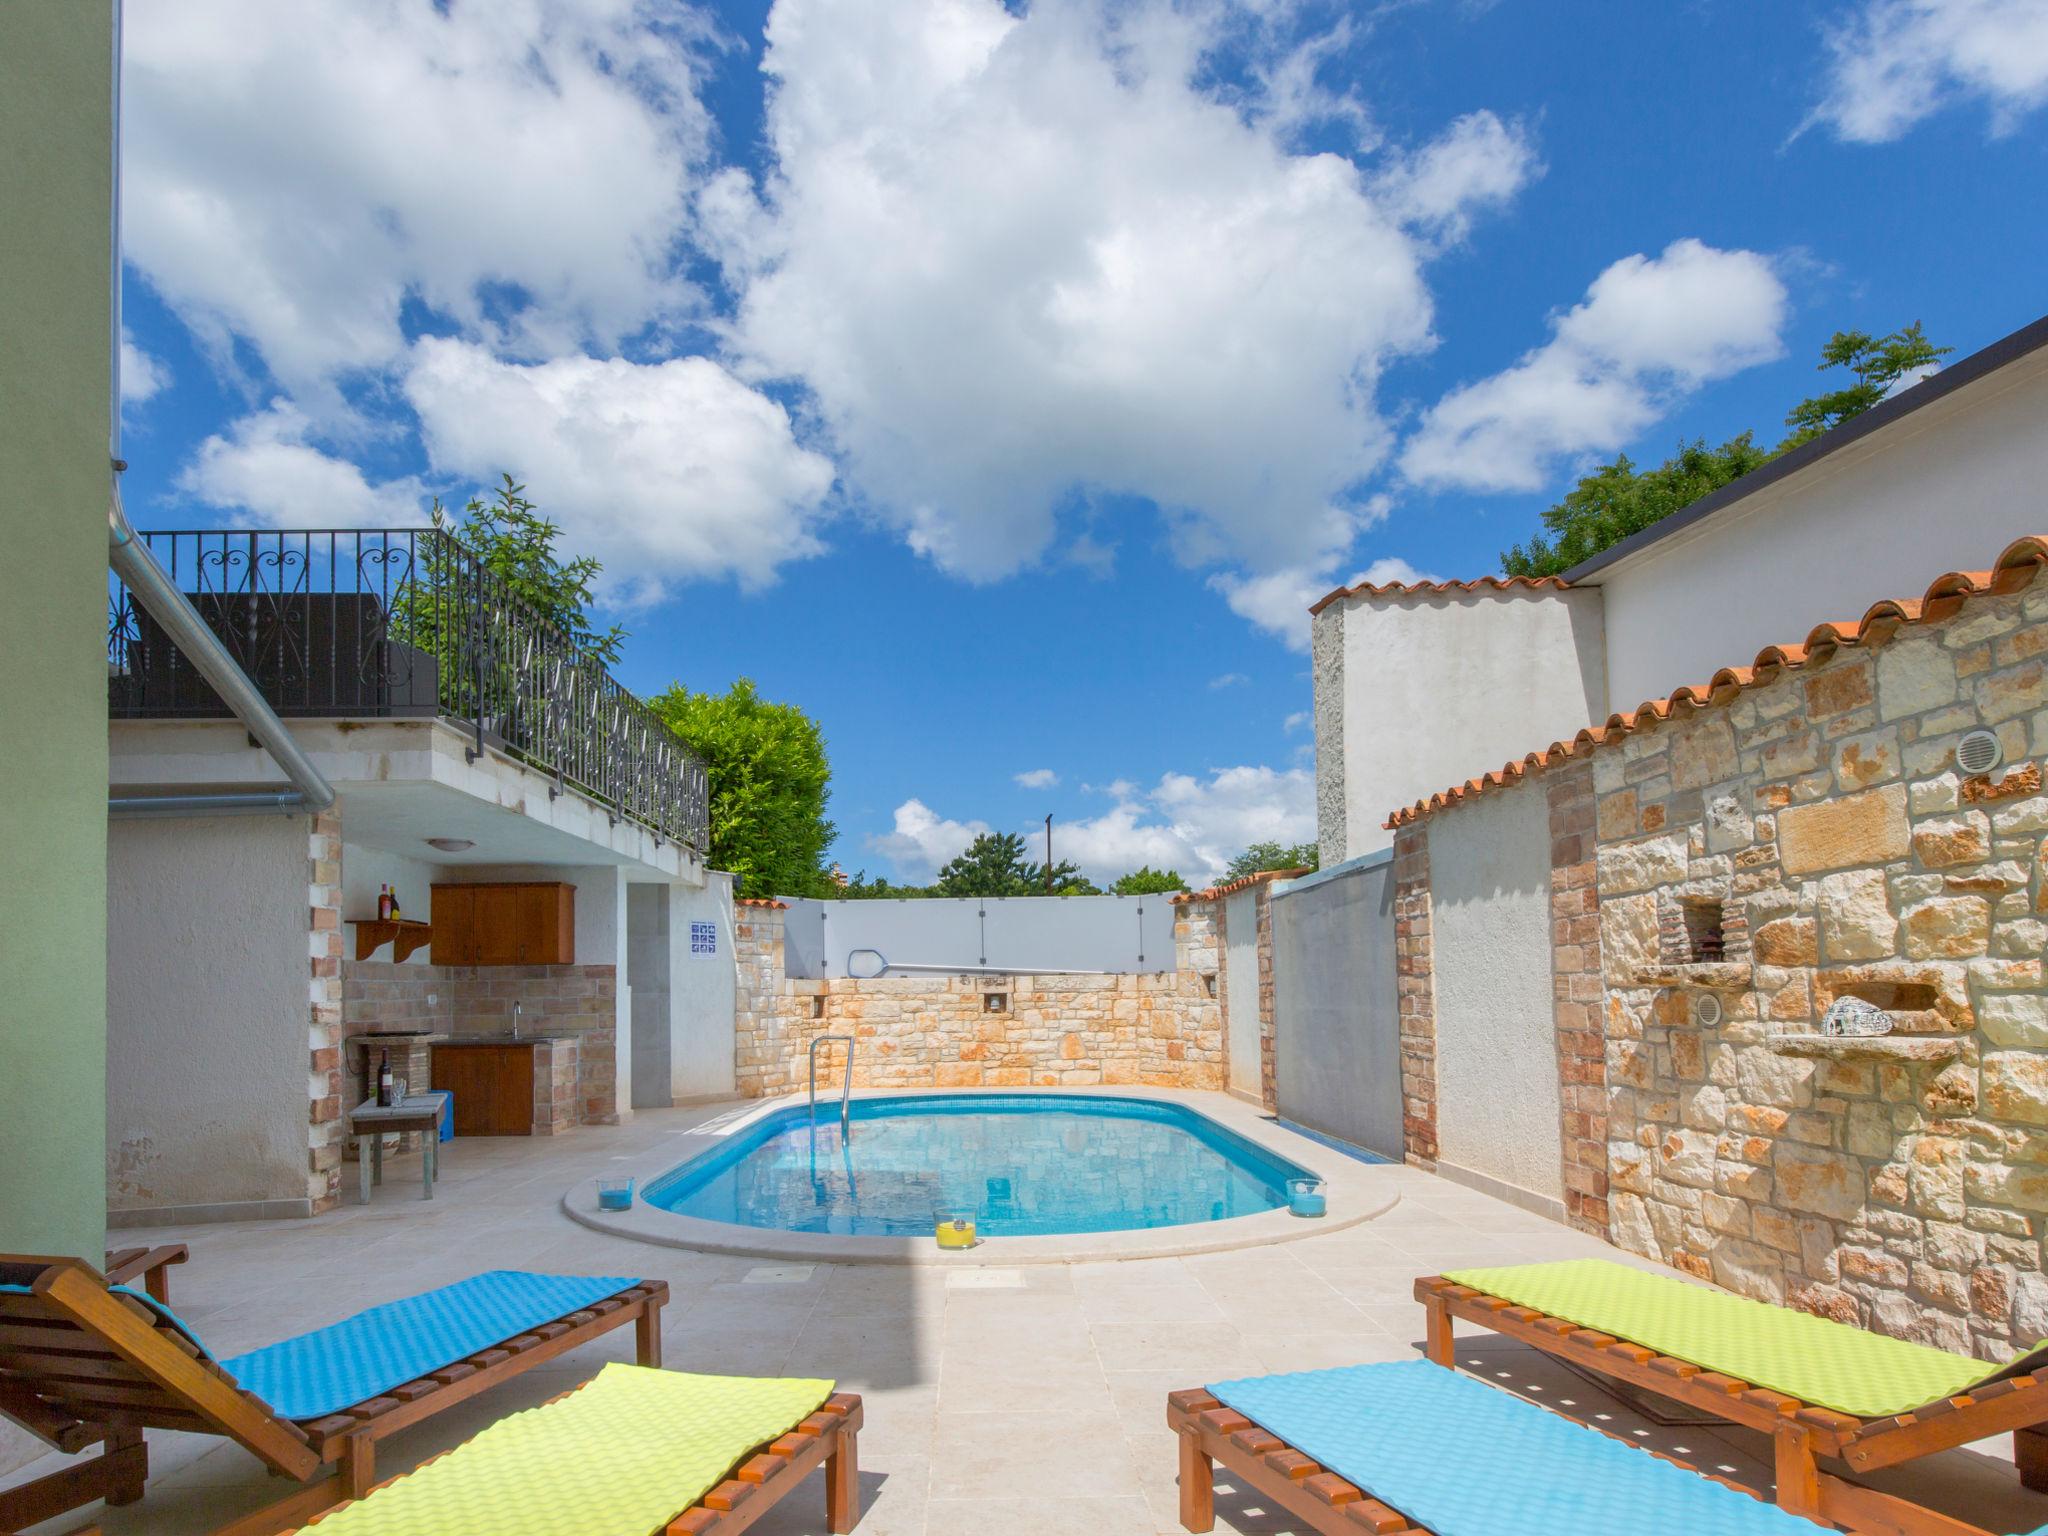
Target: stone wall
{"type": "Point", "coordinates": [325, 1127]}
{"type": "Point", "coordinates": [569, 1000]}
{"type": "Point", "coordinates": [1162, 1029]}
{"type": "Point", "coordinates": [1415, 986]}
{"type": "Point", "coordinates": [1809, 838]}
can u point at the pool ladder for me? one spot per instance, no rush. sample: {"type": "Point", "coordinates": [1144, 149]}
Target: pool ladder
{"type": "Point", "coordinates": [845, 1086]}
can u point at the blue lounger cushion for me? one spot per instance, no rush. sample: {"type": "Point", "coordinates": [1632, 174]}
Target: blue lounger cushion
{"type": "Point", "coordinates": [349, 1362]}
{"type": "Point", "coordinates": [1466, 1459]}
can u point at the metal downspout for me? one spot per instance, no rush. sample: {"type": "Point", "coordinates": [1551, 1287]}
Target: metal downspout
{"type": "Point", "coordinates": [154, 589]}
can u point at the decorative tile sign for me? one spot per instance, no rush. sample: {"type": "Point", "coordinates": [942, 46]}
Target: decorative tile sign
{"type": "Point", "coordinates": [703, 938]}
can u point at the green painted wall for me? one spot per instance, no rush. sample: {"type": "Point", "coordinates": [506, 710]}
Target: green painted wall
{"type": "Point", "coordinates": [56, 183]}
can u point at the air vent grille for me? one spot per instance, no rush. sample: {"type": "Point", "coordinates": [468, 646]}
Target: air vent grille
{"type": "Point", "coordinates": [1979, 752]}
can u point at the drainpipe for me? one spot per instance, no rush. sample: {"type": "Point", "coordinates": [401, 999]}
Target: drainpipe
{"type": "Point", "coordinates": [154, 589]}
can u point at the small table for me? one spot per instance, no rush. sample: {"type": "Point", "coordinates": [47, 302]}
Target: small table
{"type": "Point", "coordinates": [371, 1122]}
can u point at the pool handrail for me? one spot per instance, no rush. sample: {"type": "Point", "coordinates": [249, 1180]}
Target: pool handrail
{"type": "Point", "coordinates": [845, 1085]}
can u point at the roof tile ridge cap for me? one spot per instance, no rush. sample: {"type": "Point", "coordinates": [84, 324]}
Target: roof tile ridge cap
{"type": "Point", "coordinates": [1434, 588]}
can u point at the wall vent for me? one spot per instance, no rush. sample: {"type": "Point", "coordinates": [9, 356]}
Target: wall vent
{"type": "Point", "coordinates": [1979, 752]}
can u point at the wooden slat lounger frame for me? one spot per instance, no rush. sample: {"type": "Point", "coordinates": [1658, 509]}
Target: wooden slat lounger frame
{"type": "Point", "coordinates": [153, 1265]}
{"type": "Point", "coordinates": [1801, 1433]}
{"type": "Point", "coordinates": [762, 1480]}
{"type": "Point", "coordinates": [82, 1365]}
{"type": "Point", "coordinates": [1261, 1462]}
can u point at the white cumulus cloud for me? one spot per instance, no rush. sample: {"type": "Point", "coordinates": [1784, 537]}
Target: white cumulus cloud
{"type": "Point", "coordinates": [265, 464]}
{"type": "Point", "coordinates": [1015, 257]}
{"type": "Point", "coordinates": [1892, 63]}
{"type": "Point", "coordinates": [1478, 163]}
{"type": "Point", "coordinates": [295, 174]}
{"type": "Point", "coordinates": [142, 376]}
{"type": "Point", "coordinates": [1649, 330]}
{"type": "Point", "coordinates": [1278, 602]}
{"type": "Point", "coordinates": [1191, 823]}
{"type": "Point", "coordinates": [1037, 778]}
{"type": "Point", "coordinates": [665, 471]}
{"type": "Point", "coordinates": [922, 841]}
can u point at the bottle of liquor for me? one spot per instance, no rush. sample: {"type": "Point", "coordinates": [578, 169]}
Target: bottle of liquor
{"type": "Point", "coordinates": [395, 913]}
{"type": "Point", "coordinates": [384, 1081]}
{"type": "Point", "coordinates": [383, 903]}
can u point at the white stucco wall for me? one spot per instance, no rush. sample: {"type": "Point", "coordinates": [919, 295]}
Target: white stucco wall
{"type": "Point", "coordinates": [1496, 1052]}
{"type": "Point", "coordinates": [703, 992]}
{"type": "Point", "coordinates": [207, 1012]}
{"type": "Point", "coordinates": [1437, 688]}
{"type": "Point", "coordinates": [1945, 488]}
{"type": "Point", "coordinates": [1241, 988]}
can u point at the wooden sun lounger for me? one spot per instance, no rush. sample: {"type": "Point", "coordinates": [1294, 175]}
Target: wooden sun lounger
{"type": "Point", "coordinates": [152, 1265]}
{"type": "Point", "coordinates": [1801, 1433]}
{"type": "Point", "coordinates": [83, 1365]}
{"type": "Point", "coordinates": [760, 1482]}
{"type": "Point", "coordinates": [1262, 1463]}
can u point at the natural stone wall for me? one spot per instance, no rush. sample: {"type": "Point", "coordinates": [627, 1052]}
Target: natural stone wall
{"type": "Point", "coordinates": [1415, 987]}
{"type": "Point", "coordinates": [1163, 1029]}
{"type": "Point", "coordinates": [1900, 1185]}
{"type": "Point", "coordinates": [1577, 998]}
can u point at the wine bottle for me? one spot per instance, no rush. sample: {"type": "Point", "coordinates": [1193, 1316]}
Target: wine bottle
{"type": "Point", "coordinates": [384, 1080]}
{"type": "Point", "coordinates": [383, 903]}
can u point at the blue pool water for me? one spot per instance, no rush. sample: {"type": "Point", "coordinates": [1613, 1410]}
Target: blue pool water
{"type": "Point", "coordinates": [1024, 1163]}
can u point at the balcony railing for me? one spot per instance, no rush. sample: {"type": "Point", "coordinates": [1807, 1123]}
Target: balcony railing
{"type": "Point", "coordinates": [376, 623]}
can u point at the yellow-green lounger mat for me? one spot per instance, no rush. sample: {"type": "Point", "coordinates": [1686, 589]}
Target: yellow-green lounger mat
{"type": "Point", "coordinates": [1827, 1364]}
{"type": "Point", "coordinates": [621, 1457]}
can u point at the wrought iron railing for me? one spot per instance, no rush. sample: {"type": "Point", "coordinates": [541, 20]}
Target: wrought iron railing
{"type": "Point", "coordinates": [376, 623]}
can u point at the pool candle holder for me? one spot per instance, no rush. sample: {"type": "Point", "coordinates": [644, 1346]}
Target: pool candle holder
{"type": "Point", "coordinates": [615, 1194]}
{"type": "Point", "coordinates": [1305, 1197]}
{"type": "Point", "coordinates": [953, 1227]}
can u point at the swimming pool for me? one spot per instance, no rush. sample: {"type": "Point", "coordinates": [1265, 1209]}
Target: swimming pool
{"type": "Point", "coordinates": [1026, 1164]}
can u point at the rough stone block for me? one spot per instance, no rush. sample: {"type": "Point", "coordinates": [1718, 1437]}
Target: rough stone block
{"type": "Point", "coordinates": [1954, 840]}
{"type": "Point", "coordinates": [2015, 1087]}
{"type": "Point", "coordinates": [1647, 862]}
{"type": "Point", "coordinates": [1914, 673]}
{"type": "Point", "coordinates": [1821, 1182]}
{"type": "Point", "coordinates": [1859, 829]}
{"type": "Point", "coordinates": [1947, 928]}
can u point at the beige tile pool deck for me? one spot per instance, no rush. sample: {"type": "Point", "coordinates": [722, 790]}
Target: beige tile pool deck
{"type": "Point", "coordinates": [998, 1401]}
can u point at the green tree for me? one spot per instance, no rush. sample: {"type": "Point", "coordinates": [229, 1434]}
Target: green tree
{"type": "Point", "coordinates": [770, 779]}
{"type": "Point", "coordinates": [1879, 363]}
{"type": "Point", "coordinates": [864, 888]}
{"type": "Point", "coordinates": [517, 545]}
{"type": "Point", "coordinates": [1618, 499]}
{"type": "Point", "coordinates": [1271, 855]}
{"type": "Point", "coordinates": [994, 865]}
{"type": "Point", "coordinates": [1147, 881]}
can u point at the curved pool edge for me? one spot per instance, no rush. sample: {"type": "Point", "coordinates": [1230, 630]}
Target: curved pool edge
{"type": "Point", "coordinates": [1358, 1192]}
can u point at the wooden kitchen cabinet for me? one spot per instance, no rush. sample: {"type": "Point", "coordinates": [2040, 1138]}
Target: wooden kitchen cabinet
{"type": "Point", "coordinates": [505, 923]}
{"type": "Point", "coordinates": [492, 1083]}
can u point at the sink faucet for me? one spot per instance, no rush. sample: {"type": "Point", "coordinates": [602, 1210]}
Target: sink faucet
{"type": "Point", "coordinates": [516, 1010]}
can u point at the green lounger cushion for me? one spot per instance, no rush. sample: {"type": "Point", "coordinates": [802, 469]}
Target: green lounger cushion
{"type": "Point", "coordinates": [1827, 1364]}
{"type": "Point", "coordinates": [622, 1456]}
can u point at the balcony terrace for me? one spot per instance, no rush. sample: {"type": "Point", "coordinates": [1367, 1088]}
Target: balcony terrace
{"type": "Point", "coordinates": [374, 624]}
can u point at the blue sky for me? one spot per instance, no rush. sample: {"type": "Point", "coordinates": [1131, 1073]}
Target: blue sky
{"type": "Point", "coordinates": [999, 385]}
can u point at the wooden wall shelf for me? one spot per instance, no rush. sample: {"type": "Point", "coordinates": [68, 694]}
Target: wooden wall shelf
{"type": "Point", "coordinates": [403, 935]}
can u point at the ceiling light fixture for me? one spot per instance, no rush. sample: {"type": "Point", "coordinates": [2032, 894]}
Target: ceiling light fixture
{"type": "Point", "coordinates": [451, 844]}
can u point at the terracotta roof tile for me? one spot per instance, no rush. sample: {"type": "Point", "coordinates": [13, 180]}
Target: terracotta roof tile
{"type": "Point", "coordinates": [762, 901]}
{"type": "Point", "coordinates": [1428, 588]}
{"type": "Point", "coordinates": [1243, 882]}
{"type": "Point", "coordinates": [1945, 597]}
